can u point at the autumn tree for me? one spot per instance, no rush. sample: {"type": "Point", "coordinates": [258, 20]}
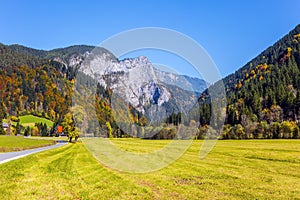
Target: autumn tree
{"type": "Point", "coordinates": [296, 132]}
{"type": "Point", "coordinates": [109, 130]}
{"type": "Point", "coordinates": [239, 131]}
{"type": "Point", "coordinates": [286, 129]}
{"type": "Point", "coordinates": [69, 127]}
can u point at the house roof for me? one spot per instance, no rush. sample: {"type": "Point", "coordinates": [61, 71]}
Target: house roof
{"type": "Point", "coordinates": [5, 125]}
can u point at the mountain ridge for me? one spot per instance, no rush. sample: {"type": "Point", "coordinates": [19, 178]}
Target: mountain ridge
{"type": "Point", "coordinates": [82, 49]}
{"type": "Point", "coordinates": [263, 96]}
{"type": "Point", "coordinates": [280, 45]}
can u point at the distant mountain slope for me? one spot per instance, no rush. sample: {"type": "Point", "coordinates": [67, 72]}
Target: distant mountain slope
{"type": "Point", "coordinates": [272, 55]}
{"type": "Point", "coordinates": [107, 65]}
{"type": "Point", "coordinates": [137, 82]}
{"type": "Point", "coordinates": [183, 81]}
{"type": "Point", "coordinates": [28, 51]}
{"type": "Point", "coordinates": [70, 55]}
{"type": "Point", "coordinates": [264, 92]}
{"type": "Point", "coordinates": [60, 52]}
{"type": "Point", "coordinates": [9, 57]}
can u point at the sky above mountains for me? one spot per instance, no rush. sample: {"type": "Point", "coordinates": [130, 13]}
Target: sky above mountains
{"type": "Point", "coordinates": [232, 32]}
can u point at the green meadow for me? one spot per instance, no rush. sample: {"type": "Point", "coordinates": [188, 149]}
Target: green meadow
{"type": "Point", "coordinates": [247, 169]}
{"type": "Point", "coordinates": [17, 143]}
{"type": "Point", "coordinates": [30, 120]}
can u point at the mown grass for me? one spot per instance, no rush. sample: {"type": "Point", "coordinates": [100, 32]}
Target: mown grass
{"type": "Point", "coordinates": [17, 143]}
{"type": "Point", "coordinates": [254, 169]}
{"type": "Point", "coordinates": [69, 172]}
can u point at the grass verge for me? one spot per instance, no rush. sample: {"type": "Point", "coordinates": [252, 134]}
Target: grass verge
{"type": "Point", "coordinates": [18, 143]}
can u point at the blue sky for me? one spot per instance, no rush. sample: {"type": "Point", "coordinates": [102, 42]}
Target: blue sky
{"type": "Point", "coordinates": [232, 31]}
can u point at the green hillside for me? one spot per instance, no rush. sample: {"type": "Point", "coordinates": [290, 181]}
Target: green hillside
{"type": "Point", "coordinates": [263, 97]}
{"type": "Point", "coordinates": [30, 120]}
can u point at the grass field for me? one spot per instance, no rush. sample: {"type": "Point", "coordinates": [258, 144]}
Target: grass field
{"type": "Point", "coordinates": [64, 138]}
{"type": "Point", "coordinates": [253, 169]}
{"type": "Point", "coordinates": [16, 143]}
{"type": "Point", "coordinates": [30, 120]}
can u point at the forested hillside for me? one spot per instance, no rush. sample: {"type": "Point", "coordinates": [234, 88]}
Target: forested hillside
{"type": "Point", "coordinates": [9, 57]}
{"type": "Point", "coordinates": [61, 52]}
{"type": "Point", "coordinates": [263, 97]}
{"type": "Point", "coordinates": [31, 85]}
{"type": "Point", "coordinates": [41, 83]}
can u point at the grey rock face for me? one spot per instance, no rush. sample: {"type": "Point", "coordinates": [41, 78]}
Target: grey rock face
{"type": "Point", "coordinates": [137, 81]}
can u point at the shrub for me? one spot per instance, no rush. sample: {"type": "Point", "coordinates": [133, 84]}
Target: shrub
{"type": "Point", "coordinates": [15, 119]}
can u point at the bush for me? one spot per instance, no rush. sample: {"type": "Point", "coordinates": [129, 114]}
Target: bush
{"type": "Point", "coordinates": [15, 119]}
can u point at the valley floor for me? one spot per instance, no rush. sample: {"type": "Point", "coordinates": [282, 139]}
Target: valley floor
{"type": "Point", "coordinates": [247, 169]}
{"type": "Point", "coordinates": [19, 143]}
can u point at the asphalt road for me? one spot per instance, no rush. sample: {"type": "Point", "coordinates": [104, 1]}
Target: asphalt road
{"type": "Point", "coordinates": [6, 157]}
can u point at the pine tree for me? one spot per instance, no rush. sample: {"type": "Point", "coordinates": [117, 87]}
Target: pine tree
{"type": "Point", "coordinates": [18, 129]}
{"type": "Point", "coordinates": [27, 131]}
{"type": "Point", "coordinates": [44, 130]}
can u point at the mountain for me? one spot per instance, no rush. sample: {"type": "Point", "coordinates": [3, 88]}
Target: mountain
{"type": "Point", "coordinates": [60, 52]}
{"type": "Point", "coordinates": [153, 93]}
{"type": "Point", "coordinates": [40, 82]}
{"type": "Point", "coordinates": [263, 97]}
{"type": "Point", "coordinates": [74, 55]}
{"type": "Point", "coordinates": [185, 82]}
{"type": "Point", "coordinates": [144, 84]}
{"type": "Point", "coordinates": [69, 56]}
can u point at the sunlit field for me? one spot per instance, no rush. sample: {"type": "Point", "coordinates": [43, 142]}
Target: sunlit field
{"type": "Point", "coordinates": [17, 143]}
{"type": "Point", "coordinates": [247, 169]}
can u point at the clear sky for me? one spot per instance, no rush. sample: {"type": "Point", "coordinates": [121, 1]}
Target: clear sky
{"type": "Point", "coordinates": [232, 31]}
